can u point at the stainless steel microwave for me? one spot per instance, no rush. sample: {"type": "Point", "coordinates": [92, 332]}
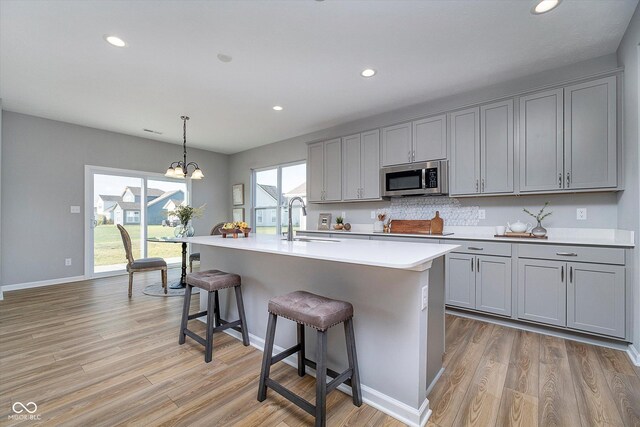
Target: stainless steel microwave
{"type": "Point", "coordinates": [428, 178]}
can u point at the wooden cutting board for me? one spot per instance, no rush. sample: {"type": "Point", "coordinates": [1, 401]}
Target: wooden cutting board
{"type": "Point", "coordinates": [437, 224]}
{"type": "Point", "coordinates": [411, 226]}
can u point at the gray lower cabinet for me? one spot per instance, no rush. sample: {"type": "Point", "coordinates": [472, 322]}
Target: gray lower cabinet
{"type": "Point", "coordinates": [479, 282]}
{"type": "Point", "coordinates": [596, 298]}
{"type": "Point", "coordinates": [542, 291]}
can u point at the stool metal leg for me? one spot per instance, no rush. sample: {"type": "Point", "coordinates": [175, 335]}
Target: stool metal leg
{"type": "Point", "coordinates": [321, 380]}
{"type": "Point", "coordinates": [208, 350]}
{"type": "Point", "coordinates": [353, 362]}
{"type": "Point", "coordinates": [301, 352]}
{"type": "Point", "coordinates": [185, 313]}
{"type": "Point", "coordinates": [243, 319]}
{"type": "Point", "coordinates": [266, 357]}
{"type": "Point", "coordinates": [217, 309]}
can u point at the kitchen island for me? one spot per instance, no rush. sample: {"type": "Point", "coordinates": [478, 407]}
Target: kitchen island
{"type": "Point", "coordinates": [396, 288]}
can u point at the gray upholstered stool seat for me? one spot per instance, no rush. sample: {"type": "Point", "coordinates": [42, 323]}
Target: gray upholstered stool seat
{"type": "Point", "coordinates": [312, 310]}
{"type": "Point", "coordinates": [319, 313]}
{"type": "Point", "coordinates": [212, 281]}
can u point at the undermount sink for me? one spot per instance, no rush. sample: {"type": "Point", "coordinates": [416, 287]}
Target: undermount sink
{"type": "Point", "coordinates": [305, 239]}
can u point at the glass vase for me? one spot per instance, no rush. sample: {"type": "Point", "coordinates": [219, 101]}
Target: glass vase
{"type": "Point", "coordinates": [539, 230]}
{"type": "Point", "coordinates": [182, 230]}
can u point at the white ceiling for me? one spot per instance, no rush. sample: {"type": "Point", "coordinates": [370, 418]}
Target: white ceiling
{"type": "Point", "coordinates": [302, 54]}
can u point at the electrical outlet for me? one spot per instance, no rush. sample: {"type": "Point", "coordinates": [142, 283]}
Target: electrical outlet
{"type": "Point", "coordinates": [425, 296]}
{"type": "Point", "coordinates": [581, 214]}
{"type": "Point", "coordinates": [482, 214]}
{"type": "Point", "coordinates": [67, 262]}
{"type": "Point", "coordinates": [343, 215]}
{"type": "Point", "coordinates": [373, 214]}
{"type": "Point", "coordinates": [75, 209]}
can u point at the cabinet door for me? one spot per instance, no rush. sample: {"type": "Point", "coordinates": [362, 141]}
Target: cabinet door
{"type": "Point", "coordinates": [315, 172]}
{"type": "Point", "coordinates": [496, 147]}
{"type": "Point", "coordinates": [595, 298]}
{"type": "Point", "coordinates": [493, 284]}
{"type": "Point", "coordinates": [460, 280]}
{"type": "Point", "coordinates": [542, 291]}
{"type": "Point", "coordinates": [430, 138]}
{"type": "Point", "coordinates": [351, 167]}
{"type": "Point", "coordinates": [465, 152]}
{"type": "Point", "coordinates": [396, 145]}
{"type": "Point", "coordinates": [541, 142]}
{"type": "Point", "coordinates": [590, 143]}
{"type": "Point", "coordinates": [370, 165]}
{"type": "Point", "coordinates": [333, 170]}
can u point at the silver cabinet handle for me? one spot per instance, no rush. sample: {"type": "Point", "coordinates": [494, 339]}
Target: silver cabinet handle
{"type": "Point", "coordinates": [476, 185]}
{"type": "Point", "coordinates": [413, 156]}
{"type": "Point", "coordinates": [482, 189]}
{"type": "Point", "coordinates": [566, 254]}
{"type": "Point", "coordinates": [471, 264]}
{"type": "Point", "coordinates": [559, 180]}
{"type": "Point", "coordinates": [409, 155]}
{"type": "Point", "coordinates": [568, 179]}
{"type": "Point", "coordinates": [478, 265]}
{"type": "Point", "coordinates": [562, 273]}
{"type": "Point", "coordinates": [571, 274]}
{"type": "Point", "coordinates": [475, 248]}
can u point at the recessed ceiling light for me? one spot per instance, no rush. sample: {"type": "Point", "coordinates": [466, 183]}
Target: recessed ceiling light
{"type": "Point", "coordinates": [368, 72]}
{"type": "Point", "coordinates": [543, 6]}
{"type": "Point", "coordinates": [277, 108]}
{"type": "Point", "coordinates": [115, 41]}
{"type": "Point", "coordinates": [224, 58]}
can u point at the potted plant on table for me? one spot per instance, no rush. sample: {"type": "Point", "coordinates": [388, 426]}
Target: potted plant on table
{"type": "Point", "coordinates": [539, 230]}
{"type": "Point", "coordinates": [185, 214]}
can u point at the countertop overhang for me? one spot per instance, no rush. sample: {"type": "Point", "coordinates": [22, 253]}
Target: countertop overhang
{"type": "Point", "coordinates": [398, 255]}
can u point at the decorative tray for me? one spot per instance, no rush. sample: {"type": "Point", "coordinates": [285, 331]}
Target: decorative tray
{"type": "Point", "coordinates": [511, 234]}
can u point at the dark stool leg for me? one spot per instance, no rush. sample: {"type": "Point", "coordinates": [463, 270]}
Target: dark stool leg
{"type": "Point", "coordinates": [321, 380]}
{"type": "Point", "coordinates": [301, 352]}
{"type": "Point", "coordinates": [216, 311]}
{"type": "Point", "coordinates": [266, 356]}
{"type": "Point", "coordinates": [185, 313]}
{"type": "Point", "coordinates": [353, 362]}
{"type": "Point", "coordinates": [208, 350]}
{"type": "Point", "coordinates": [243, 319]}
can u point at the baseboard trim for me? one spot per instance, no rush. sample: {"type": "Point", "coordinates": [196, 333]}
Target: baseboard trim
{"type": "Point", "coordinates": [390, 406]}
{"type": "Point", "coordinates": [633, 354]}
{"type": "Point", "coordinates": [41, 283]}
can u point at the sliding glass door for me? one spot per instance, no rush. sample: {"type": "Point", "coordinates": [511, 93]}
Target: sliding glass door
{"type": "Point", "coordinates": [141, 203]}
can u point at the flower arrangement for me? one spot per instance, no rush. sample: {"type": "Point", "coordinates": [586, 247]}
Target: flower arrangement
{"type": "Point", "coordinates": [186, 213]}
{"type": "Point", "coordinates": [540, 215]}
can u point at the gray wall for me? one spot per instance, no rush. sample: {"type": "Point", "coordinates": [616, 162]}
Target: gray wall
{"type": "Point", "coordinates": [629, 200]}
{"type": "Point", "coordinates": [43, 175]}
{"type": "Point", "coordinates": [601, 207]}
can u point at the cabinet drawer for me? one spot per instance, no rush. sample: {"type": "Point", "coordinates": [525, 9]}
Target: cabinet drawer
{"type": "Point", "coordinates": [573, 253]}
{"type": "Point", "coordinates": [480, 248]}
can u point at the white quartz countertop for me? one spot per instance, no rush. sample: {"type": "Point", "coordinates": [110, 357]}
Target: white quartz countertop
{"type": "Point", "coordinates": [399, 255]}
{"type": "Point", "coordinates": [557, 236]}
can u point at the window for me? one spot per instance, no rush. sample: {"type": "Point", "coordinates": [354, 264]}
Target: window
{"type": "Point", "coordinates": [272, 189]}
{"type": "Point", "coordinates": [133, 217]}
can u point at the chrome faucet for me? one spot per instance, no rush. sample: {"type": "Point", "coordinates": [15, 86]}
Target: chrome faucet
{"type": "Point", "coordinates": [304, 212]}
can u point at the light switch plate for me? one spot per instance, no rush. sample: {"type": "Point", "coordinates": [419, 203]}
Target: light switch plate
{"type": "Point", "coordinates": [67, 262]}
{"type": "Point", "coordinates": [482, 214]}
{"type": "Point", "coordinates": [75, 209]}
{"type": "Point", "coordinates": [425, 297]}
{"type": "Point", "coordinates": [373, 214]}
{"type": "Point", "coordinates": [581, 214]}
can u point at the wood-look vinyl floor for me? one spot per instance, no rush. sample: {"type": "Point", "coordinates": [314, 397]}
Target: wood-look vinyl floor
{"type": "Point", "coordinates": [86, 354]}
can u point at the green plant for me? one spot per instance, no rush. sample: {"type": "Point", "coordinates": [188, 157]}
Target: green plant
{"type": "Point", "coordinates": [186, 213]}
{"type": "Point", "coordinates": [540, 215]}
{"type": "Point", "coordinates": [339, 220]}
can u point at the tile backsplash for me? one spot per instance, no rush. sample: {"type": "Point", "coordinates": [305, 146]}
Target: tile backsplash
{"type": "Point", "coordinates": [425, 208]}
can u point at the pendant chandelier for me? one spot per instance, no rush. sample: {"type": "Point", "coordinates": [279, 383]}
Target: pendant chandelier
{"type": "Point", "coordinates": [180, 169]}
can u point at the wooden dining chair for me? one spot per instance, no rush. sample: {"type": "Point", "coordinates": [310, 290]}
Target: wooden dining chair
{"type": "Point", "coordinates": [216, 230]}
{"type": "Point", "coordinates": [141, 264]}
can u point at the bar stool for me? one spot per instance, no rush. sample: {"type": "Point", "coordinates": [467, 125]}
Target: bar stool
{"type": "Point", "coordinates": [212, 281]}
{"type": "Point", "coordinates": [319, 313]}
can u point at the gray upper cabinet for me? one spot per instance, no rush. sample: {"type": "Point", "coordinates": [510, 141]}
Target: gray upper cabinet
{"type": "Point", "coordinates": [542, 291]}
{"type": "Point", "coordinates": [324, 171]}
{"type": "Point", "coordinates": [465, 152]}
{"type": "Point", "coordinates": [496, 147]}
{"type": "Point", "coordinates": [541, 141]}
{"type": "Point", "coordinates": [361, 166]}
{"type": "Point", "coordinates": [590, 143]}
{"type": "Point", "coordinates": [397, 145]}
{"type": "Point", "coordinates": [493, 284]}
{"type": "Point", "coordinates": [430, 139]}
{"type": "Point", "coordinates": [596, 298]}
{"type": "Point", "coordinates": [460, 280]}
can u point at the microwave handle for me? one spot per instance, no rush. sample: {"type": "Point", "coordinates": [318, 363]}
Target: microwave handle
{"type": "Point", "coordinates": [424, 178]}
